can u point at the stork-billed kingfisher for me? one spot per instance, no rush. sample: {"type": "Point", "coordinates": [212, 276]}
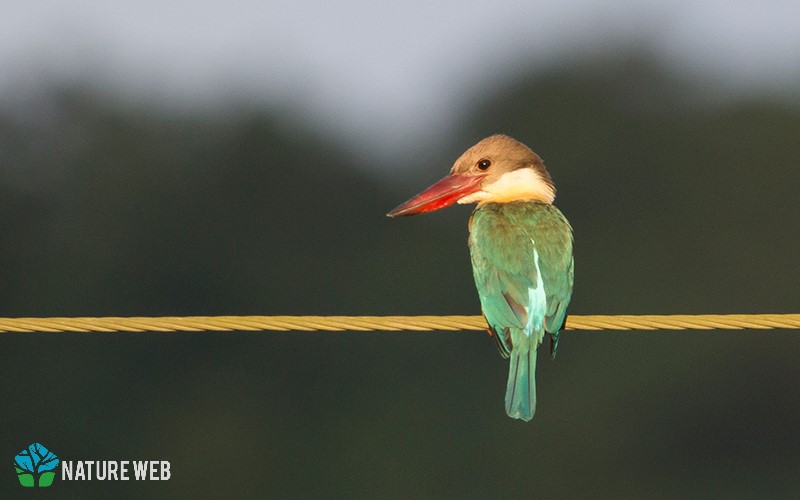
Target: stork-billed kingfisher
{"type": "Point", "coordinates": [521, 251]}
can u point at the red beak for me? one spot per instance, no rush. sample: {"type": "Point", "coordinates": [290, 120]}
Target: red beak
{"type": "Point", "coordinates": [442, 194]}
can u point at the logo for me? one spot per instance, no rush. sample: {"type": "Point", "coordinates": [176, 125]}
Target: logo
{"type": "Point", "coordinates": [35, 466]}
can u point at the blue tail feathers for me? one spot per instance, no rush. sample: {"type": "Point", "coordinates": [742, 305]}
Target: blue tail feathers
{"type": "Point", "coordinates": [521, 388]}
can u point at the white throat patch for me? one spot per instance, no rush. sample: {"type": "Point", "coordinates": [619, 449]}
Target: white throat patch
{"type": "Point", "coordinates": [517, 185]}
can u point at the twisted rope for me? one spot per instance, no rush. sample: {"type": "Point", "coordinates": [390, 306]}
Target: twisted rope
{"type": "Point", "coordinates": [389, 323]}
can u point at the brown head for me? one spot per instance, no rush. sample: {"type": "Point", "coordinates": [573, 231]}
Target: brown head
{"type": "Point", "coordinates": [498, 169]}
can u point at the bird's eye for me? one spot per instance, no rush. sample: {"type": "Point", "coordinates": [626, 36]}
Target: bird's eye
{"type": "Point", "coordinates": [484, 164]}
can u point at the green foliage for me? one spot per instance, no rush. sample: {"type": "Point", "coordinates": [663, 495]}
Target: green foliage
{"type": "Point", "coordinates": [25, 480]}
{"type": "Point", "coordinates": [46, 479]}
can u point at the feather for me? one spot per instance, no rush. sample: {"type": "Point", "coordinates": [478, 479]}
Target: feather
{"type": "Point", "coordinates": [522, 264]}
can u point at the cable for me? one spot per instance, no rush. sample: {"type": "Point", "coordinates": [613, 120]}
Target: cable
{"type": "Point", "coordinates": [389, 323]}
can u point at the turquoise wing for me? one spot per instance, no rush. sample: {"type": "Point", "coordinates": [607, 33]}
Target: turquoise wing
{"type": "Point", "coordinates": [505, 298]}
{"type": "Point", "coordinates": [558, 272]}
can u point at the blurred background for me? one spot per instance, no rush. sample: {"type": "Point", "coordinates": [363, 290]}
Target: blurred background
{"type": "Point", "coordinates": [205, 158]}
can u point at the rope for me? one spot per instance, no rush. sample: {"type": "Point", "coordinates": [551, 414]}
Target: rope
{"type": "Point", "coordinates": [389, 323]}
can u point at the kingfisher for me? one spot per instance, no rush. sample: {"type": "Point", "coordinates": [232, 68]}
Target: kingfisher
{"type": "Point", "coordinates": [521, 251]}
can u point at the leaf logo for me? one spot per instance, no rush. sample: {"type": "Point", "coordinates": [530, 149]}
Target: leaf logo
{"type": "Point", "coordinates": [34, 466]}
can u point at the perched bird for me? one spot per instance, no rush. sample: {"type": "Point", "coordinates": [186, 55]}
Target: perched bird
{"type": "Point", "coordinates": [521, 250]}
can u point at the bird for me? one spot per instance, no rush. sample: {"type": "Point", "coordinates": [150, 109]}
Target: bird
{"type": "Point", "coordinates": [521, 248]}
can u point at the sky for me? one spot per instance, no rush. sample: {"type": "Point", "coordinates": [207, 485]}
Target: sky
{"type": "Point", "coordinates": [388, 71]}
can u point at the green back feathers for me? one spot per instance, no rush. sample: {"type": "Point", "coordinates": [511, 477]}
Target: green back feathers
{"type": "Point", "coordinates": [515, 248]}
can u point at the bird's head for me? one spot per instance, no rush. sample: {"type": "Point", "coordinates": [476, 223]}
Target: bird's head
{"type": "Point", "coordinates": [498, 169]}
